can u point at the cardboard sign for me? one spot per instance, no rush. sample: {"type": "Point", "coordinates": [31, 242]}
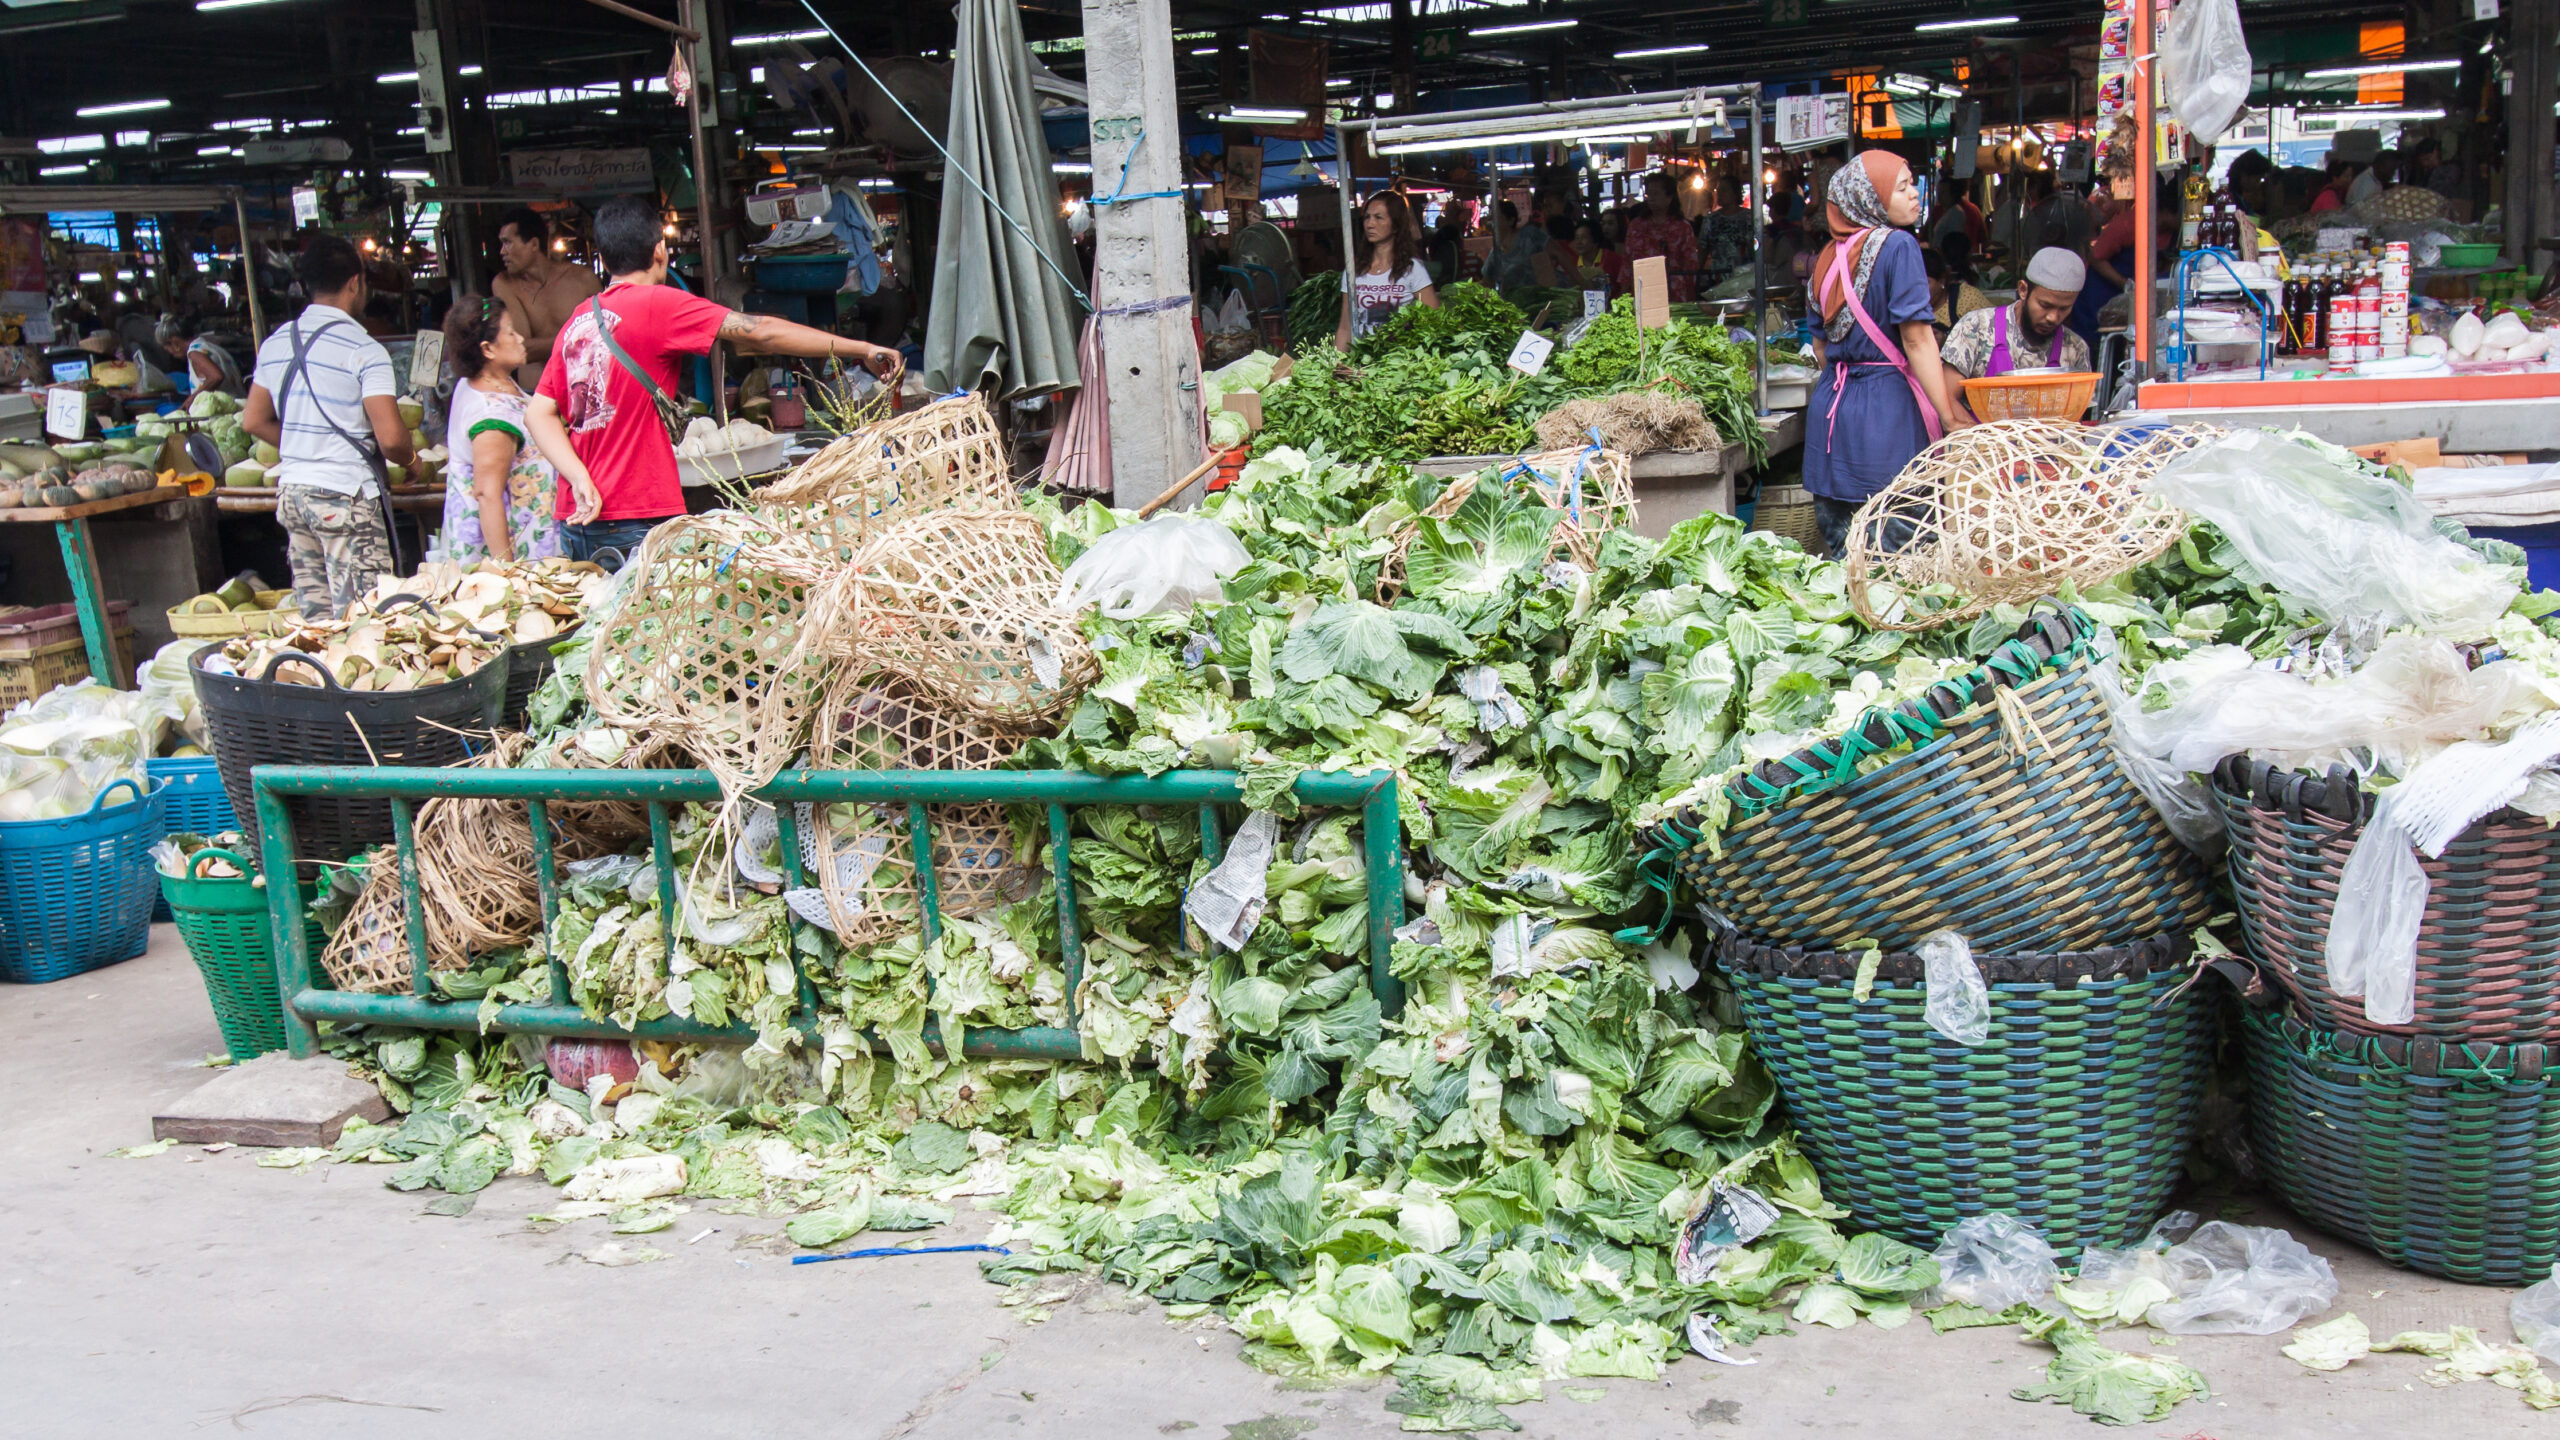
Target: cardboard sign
{"type": "Point", "coordinates": [66, 412]}
{"type": "Point", "coordinates": [1594, 302]}
{"type": "Point", "coordinates": [1530, 355]}
{"type": "Point", "coordinates": [1653, 292]}
{"type": "Point", "coordinates": [426, 361]}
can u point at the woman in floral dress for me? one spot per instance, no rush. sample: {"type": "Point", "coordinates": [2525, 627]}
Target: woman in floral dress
{"type": "Point", "coordinates": [498, 489]}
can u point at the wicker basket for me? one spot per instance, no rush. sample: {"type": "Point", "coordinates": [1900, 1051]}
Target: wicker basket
{"type": "Point", "coordinates": [2031, 397]}
{"type": "Point", "coordinates": [2488, 967]}
{"type": "Point", "coordinates": [2011, 823]}
{"type": "Point", "coordinates": [528, 665]}
{"type": "Point", "coordinates": [223, 919]}
{"type": "Point", "coordinates": [265, 721]}
{"type": "Point", "coordinates": [1786, 511]}
{"type": "Point", "coordinates": [2074, 1116]}
{"type": "Point", "coordinates": [75, 893]}
{"type": "Point", "coordinates": [206, 618]}
{"type": "Point", "coordinates": [2443, 1158]}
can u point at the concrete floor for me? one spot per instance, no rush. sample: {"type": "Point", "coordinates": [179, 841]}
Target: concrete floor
{"type": "Point", "coordinates": [192, 1292]}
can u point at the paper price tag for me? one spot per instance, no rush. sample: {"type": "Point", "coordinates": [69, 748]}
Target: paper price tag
{"type": "Point", "coordinates": [426, 361]}
{"type": "Point", "coordinates": [1594, 302]}
{"type": "Point", "coordinates": [2484, 9]}
{"type": "Point", "coordinates": [66, 412]}
{"type": "Point", "coordinates": [1530, 355]}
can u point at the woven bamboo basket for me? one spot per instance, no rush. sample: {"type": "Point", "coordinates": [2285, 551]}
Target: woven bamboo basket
{"type": "Point", "coordinates": [1787, 512]}
{"type": "Point", "coordinates": [2073, 1116]}
{"type": "Point", "coordinates": [2441, 1157]}
{"type": "Point", "coordinates": [2011, 822]}
{"type": "Point", "coordinates": [2488, 968]}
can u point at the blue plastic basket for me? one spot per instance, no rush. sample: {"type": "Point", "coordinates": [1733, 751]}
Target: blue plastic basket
{"type": "Point", "coordinates": [76, 893]}
{"type": "Point", "coordinates": [193, 800]}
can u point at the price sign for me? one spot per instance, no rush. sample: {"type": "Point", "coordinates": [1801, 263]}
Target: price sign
{"type": "Point", "coordinates": [426, 361]}
{"type": "Point", "coordinates": [1594, 302]}
{"type": "Point", "coordinates": [1653, 292]}
{"type": "Point", "coordinates": [66, 412]}
{"type": "Point", "coordinates": [1530, 355]}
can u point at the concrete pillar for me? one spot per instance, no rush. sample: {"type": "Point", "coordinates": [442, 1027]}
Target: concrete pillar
{"type": "Point", "coordinates": [1142, 253]}
{"type": "Point", "coordinates": [2533, 61]}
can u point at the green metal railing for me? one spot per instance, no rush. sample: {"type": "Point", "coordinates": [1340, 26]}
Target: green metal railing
{"type": "Point", "coordinates": [306, 1003]}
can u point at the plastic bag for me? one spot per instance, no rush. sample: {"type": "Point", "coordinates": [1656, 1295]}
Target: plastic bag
{"type": "Point", "coordinates": [2241, 1280]}
{"type": "Point", "coordinates": [1162, 567]}
{"type": "Point", "coordinates": [2535, 1312]}
{"type": "Point", "coordinates": [2348, 542]}
{"type": "Point", "coordinates": [1959, 1003]}
{"type": "Point", "coordinates": [1994, 1261]}
{"type": "Point", "coordinates": [2205, 62]}
{"type": "Point", "coordinates": [2183, 802]}
{"type": "Point", "coordinates": [2372, 946]}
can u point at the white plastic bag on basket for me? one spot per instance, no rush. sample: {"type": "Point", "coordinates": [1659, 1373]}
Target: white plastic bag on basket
{"type": "Point", "coordinates": [2350, 544]}
{"type": "Point", "coordinates": [1994, 1261]}
{"type": "Point", "coordinates": [1959, 1003]}
{"type": "Point", "coordinates": [2535, 1312]}
{"type": "Point", "coordinates": [2183, 802]}
{"type": "Point", "coordinates": [2205, 60]}
{"type": "Point", "coordinates": [1163, 567]}
{"type": "Point", "coordinates": [2372, 947]}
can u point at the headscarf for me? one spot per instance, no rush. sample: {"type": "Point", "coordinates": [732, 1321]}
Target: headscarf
{"type": "Point", "coordinates": [1856, 203]}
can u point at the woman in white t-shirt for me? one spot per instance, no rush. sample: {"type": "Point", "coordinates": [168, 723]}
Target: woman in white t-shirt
{"type": "Point", "coordinates": [1390, 275]}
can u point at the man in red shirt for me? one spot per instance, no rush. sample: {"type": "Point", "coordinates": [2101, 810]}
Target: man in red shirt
{"type": "Point", "coordinates": [599, 424]}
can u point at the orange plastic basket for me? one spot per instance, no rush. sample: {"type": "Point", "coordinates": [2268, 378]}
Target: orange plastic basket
{"type": "Point", "coordinates": [2031, 397]}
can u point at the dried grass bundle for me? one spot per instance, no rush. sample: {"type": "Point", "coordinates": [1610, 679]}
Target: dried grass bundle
{"type": "Point", "coordinates": [1634, 421]}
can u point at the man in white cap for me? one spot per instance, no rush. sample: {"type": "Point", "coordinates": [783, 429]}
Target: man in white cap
{"type": "Point", "coordinates": [2029, 334]}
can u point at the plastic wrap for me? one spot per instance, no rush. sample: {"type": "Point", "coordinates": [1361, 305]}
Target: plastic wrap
{"type": "Point", "coordinates": [1162, 567]}
{"type": "Point", "coordinates": [2205, 62]}
{"type": "Point", "coordinates": [1994, 1261]}
{"type": "Point", "coordinates": [2184, 803]}
{"type": "Point", "coordinates": [1959, 1005]}
{"type": "Point", "coordinates": [2231, 1279]}
{"type": "Point", "coordinates": [2348, 542]}
{"type": "Point", "coordinates": [2535, 1312]}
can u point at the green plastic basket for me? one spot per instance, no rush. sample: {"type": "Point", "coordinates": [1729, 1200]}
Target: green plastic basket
{"type": "Point", "coordinates": [2011, 822]}
{"type": "Point", "coordinates": [223, 919]}
{"type": "Point", "coordinates": [2073, 1116]}
{"type": "Point", "coordinates": [2441, 1157]}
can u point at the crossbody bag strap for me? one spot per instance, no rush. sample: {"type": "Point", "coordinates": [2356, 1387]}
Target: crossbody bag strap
{"type": "Point", "coordinates": [365, 448]}
{"type": "Point", "coordinates": [671, 411]}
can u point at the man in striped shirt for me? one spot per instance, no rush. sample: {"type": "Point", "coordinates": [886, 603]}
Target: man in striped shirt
{"type": "Point", "coordinates": [334, 425]}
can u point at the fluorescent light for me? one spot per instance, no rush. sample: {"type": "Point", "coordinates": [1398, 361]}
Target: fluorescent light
{"type": "Point", "coordinates": [1524, 27]}
{"type": "Point", "coordinates": [1070, 167]}
{"type": "Point", "coordinates": [781, 37]}
{"type": "Point", "coordinates": [1657, 50]}
{"type": "Point", "coordinates": [468, 70]}
{"type": "Point", "coordinates": [133, 138]}
{"type": "Point", "coordinates": [72, 144]}
{"type": "Point", "coordinates": [1280, 113]}
{"type": "Point", "coordinates": [2382, 67]}
{"type": "Point", "coordinates": [1592, 135]}
{"type": "Point", "coordinates": [2369, 114]}
{"type": "Point", "coordinates": [1340, 82]}
{"type": "Point", "coordinates": [1977, 22]}
{"type": "Point", "coordinates": [397, 77]}
{"type": "Point", "coordinates": [209, 6]}
{"type": "Point", "coordinates": [408, 174]}
{"type": "Point", "coordinates": [67, 170]}
{"type": "Point", "coordinates": [415, 130]}
{"type": "Point", "coordinates": [792, 149]}
{"type": "Point", "coordinates": [244, 124]}
{"type": "Point", "coordinates": [218, 150]}
{"type": "Point", "coordinates": [121, 107]}
{"type": "Point", "coordinates": [1206, 50]}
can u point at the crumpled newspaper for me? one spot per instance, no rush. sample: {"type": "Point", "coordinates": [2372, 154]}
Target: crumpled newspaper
{"type": "Point", "coordinates": [1228, 901]}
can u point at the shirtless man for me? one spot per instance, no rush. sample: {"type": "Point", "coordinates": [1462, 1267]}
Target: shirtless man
{"type": "Point", "coordinates": [539, 288]}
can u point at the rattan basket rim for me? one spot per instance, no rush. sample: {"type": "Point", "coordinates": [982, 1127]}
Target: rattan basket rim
{"type": "Point", "coordinates": [2059, 970]}
{"type": "Point", "coordinates": [2427, 1057]}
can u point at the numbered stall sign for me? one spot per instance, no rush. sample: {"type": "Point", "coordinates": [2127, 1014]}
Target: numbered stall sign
{"type": "Point", "coordinates": [66, 412]}
{"type": "Point", "coordinates": [1530, 355]}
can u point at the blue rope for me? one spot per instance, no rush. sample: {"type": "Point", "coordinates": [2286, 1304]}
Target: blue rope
{"type": "Point", "coordinates": [886, 1251]}
{"type": "Point", "coordinates": [1121, 196]}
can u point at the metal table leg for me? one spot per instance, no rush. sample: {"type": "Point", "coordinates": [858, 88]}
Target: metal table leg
{"type": "Point", "coordinates": [80, 560]}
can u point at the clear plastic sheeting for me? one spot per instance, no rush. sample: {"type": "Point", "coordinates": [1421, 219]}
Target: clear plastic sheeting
{"type": "Point", "coordinates": [2535, 1312]}
{"type": "Point", "coordinates": [2183, 802]}
{"type": "Point", "coordinates": [1993, 1261]}
{"type": "Point", "coordinates": [2223, 1279]}
{"type": "Point", "coordinates": [2204, 60]}
{"type": "Point", "coordinates": [1959, 1004]}
{"type": "Point", "coordinates": [1161, 567]}
{"type": "Point", "coordinates": [2348, 542]}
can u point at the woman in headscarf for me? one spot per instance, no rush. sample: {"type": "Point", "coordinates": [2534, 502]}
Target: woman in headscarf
{"type": "Point", "coordinates": [1882, 397]}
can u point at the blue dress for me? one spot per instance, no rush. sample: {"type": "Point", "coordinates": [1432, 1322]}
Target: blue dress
{"type": "Point", "coordinates": [1879, 427]}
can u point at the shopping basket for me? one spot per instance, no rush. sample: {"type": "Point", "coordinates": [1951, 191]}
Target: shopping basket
{"type": "Point", "coordinates": [75, 893]}
{"type": "Point", "coordinates": [223, 919]}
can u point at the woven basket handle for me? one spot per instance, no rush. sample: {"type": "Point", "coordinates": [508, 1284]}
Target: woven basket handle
{"type": "Point", "coordinates": [204, 605]}
{"type": "Point", "coordinates": [127, 781]}
{"type": "Point", "coordinates": [211, 853]}
{"type": "Point", "coordinates": [328, 679]}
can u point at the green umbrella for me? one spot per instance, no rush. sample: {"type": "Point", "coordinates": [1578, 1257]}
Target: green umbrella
{"type": "Point", "coordinates": [1004, 316]}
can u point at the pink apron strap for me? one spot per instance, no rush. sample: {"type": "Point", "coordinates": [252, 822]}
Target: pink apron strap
{"type": "Point", "coordinates": [1892, 351]}
{"type": "Point", "coordinates": [1999, 363]}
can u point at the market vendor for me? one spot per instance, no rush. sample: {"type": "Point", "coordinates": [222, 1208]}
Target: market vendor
{"type": "Point", "coordinates": [2029, 334]}
{"type": "Point", "coordinates": [1883, 396]}
{"type": "Point", "coordinates": [605, 414]}
{"type": "Point", "coordinates": [1390, 276]}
